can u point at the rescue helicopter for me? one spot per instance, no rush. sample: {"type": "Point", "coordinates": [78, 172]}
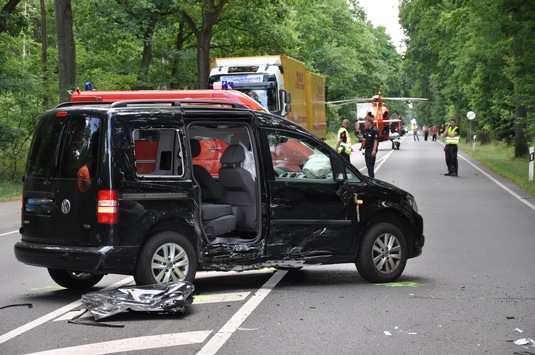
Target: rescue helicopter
{"type": "Point", "coordinates": [390, 125]}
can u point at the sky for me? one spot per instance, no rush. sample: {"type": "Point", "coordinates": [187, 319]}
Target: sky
{"type": "Point", "coordinates": [385, 13]}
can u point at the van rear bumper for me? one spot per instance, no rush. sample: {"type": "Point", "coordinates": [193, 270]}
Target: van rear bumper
{"type": "Point", "coordinates": [97, 260]}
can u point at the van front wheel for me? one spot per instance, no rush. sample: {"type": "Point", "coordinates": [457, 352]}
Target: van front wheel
{"type": "Point", "coordinates": [74, 280]}
{"type": "Point", "coordinates": [166, 257]}
{"type": "Point", "coordinates": [382, 255]}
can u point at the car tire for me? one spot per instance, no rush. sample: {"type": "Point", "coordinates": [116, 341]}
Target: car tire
{"type": "Point", "coordinates": [74, 280]}
{"type": "Point", "coordinates": [166, 257]}
{"type": "Point", "coordinates": [382, 254]}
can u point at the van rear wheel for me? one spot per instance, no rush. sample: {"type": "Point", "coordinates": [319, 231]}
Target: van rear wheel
{"type": "Point", "coordinates": [166, 257]}
{"type": "Point", "coordinates": [74, 280]}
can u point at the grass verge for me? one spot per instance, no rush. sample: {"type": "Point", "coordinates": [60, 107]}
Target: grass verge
{"type": "Point", "coordinates": [500, 158]}
{"type": "Point", "coordinates": [10, 190]}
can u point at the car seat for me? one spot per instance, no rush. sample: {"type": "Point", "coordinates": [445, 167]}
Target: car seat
{"type": "Point", "coordinates": [217, 217]}
{"type": "Point", "coordinates": [239, 189]}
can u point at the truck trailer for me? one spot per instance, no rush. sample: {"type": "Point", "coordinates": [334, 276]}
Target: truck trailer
{"type": "Point", "coordinates": [278, 82]}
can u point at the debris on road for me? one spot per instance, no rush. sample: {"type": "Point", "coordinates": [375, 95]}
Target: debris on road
{"type": "Point", "coordinates": [525, 341]}
{"type": "Point", "coordinates": [169, 298]}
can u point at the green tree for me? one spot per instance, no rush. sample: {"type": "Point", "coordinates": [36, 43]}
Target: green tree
{"type": "Point", "coordinates": [474, 55]}
{"type": "Point", "coordinates": [201, 19]}
{"type": "Point", "coordinates": [66, 48]}
{"type": "Point", "coordinates": [7, 11]}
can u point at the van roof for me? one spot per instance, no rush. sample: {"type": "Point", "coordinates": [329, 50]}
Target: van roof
{"type": "Point", "coordinates": [195, 95]}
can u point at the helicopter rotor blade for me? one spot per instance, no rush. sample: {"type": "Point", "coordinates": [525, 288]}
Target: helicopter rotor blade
{"type": "Point", "coordinates": [374, 99]}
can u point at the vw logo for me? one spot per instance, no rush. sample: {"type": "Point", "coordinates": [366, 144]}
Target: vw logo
{"type": "Point", "coordinates": [65, 206]}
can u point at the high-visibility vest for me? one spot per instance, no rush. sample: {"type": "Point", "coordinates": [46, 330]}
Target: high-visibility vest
{"type": "Point", "coordinates": [344, 147]}
{"type": "Point", "coordinates": [452, 140]}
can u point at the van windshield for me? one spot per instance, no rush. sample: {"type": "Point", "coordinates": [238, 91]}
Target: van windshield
{"type": "Point", "coordinates": [62, 145]}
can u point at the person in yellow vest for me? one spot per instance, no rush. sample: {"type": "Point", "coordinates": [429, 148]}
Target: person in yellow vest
{"type": "Point", "coordinates": [451, 138]}
{"type": "Point", "coordinates": [343, 145]}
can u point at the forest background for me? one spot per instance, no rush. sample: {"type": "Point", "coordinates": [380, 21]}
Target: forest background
{"type": "Point", "coordinates": [470, 55]}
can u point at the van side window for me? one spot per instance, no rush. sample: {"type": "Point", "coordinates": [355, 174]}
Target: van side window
{"type": "Point", "coordinates": [158, 152]}
{"type": "Point", "coordinates": [297, 157]}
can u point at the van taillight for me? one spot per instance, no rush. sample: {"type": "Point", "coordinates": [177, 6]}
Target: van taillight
{"type": "Point", "coordinates": [107, 207]}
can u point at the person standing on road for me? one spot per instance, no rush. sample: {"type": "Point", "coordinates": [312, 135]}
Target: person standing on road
{"type": "Point", "coordinates": [343, 145]}
{"type": "Point", "coordinates": [415, 131]}
{"type": "Point", "coordinates": [371, 138]}
{"type": "Point", "coordinates": [426, 132]}
{"type": "Point", "coordinates": [435, 131]}
{"type": "Point", "coordinates": [451, 138]}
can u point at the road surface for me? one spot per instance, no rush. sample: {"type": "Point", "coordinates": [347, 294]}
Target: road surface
{"type": "Point", "coordinates": [472, 291]}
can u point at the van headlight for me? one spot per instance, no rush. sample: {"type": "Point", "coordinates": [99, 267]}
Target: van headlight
{"type": "Point", "coordinates": [412, 203]}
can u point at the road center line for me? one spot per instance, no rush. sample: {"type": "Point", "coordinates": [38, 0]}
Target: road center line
{"type": "Point", "coordinates": [382, 160]}
{"type": "Point", "coordinates": [219, 339]}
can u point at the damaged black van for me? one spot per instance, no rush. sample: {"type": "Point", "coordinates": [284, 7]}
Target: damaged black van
{"type": "Point", "coordinates": [162, 189]}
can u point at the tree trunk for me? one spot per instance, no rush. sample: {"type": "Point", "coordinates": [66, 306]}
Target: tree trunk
{"type": "Point", "coordinates": [521, 145]}
{"type": "Point", "coordinates": [210, 13]}
{"type": "Point", "coordinates": [44, 50]}
{"type": "Point", "coordinates": [147, 52]}
{"type": "Point", "coordinates": [7, 10]}
{"type": "Point", "coordinates": [66, 49]}
{"type": "Point", "coordinates": [179, 44]}
{"type": "Point", "coordinates": [203, 59]}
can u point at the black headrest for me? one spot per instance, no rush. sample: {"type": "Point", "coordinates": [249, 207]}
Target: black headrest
{"type": "Point", "coordinates": [234, 154]}
{"type": "Point", "coordinates": [195, 147]}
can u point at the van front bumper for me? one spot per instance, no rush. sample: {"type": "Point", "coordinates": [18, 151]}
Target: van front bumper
{"type": "Point", "coordinates": [97, 260]}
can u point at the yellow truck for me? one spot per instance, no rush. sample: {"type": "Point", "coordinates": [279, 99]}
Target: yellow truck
{"type": "Point", "coordinates": [278, 82]}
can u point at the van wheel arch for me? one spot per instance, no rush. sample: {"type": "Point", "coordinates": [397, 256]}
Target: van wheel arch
{"type": "Point", "coordinates": [166, 256]}
{"type": "Point", "coordinates": [400, 221]}
{"type": "Point", "coordinates": [180, 227]}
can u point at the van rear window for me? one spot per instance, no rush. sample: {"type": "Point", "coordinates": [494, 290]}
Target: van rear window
{"type": "Point", "coordinates": [62, 145]}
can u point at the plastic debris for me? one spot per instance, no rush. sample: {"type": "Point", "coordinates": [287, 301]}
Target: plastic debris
{"type": "Point", "coordinates": [525, 341]}
{"type": "Point", "coordinates": [387, 332]}
{"type": "Point", "coordinates": [518, 330]}
{"type": "Point", "coordinates": [169, 298]}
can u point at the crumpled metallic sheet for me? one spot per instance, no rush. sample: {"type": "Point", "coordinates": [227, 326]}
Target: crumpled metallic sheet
{"type": "Point", "coordinates": [169, 298]}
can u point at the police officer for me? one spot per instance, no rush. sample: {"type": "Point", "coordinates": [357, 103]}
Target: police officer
{"type": "Point", "coordinates": [371, 138]}
{"type": "Point", "coordinates": [343, 145]}
{"type": "Point", "coordinates": [451, 138]}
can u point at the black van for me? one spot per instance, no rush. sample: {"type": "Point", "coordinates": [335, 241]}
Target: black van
{"type": "Point", "coordinates": [161, 190]}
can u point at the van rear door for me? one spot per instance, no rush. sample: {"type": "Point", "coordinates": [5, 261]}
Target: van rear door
{"type": "Point", "coordinates": [59, 190]}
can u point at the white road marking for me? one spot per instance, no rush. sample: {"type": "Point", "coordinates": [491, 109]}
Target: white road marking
{"type": "Point", "coordinates": [47, 317]}
{"type": "Point", "coordinates": [220, 297]}
{"type": "Point", "coordinates": [158, 341]}
{"type": "Point", "coordinates": [511, 192]}
{"type": "Point", "coordinates": [219, 339]}
{"type": "Point", "coordinates": [74, 313]}
{"type": "Point", "coordinates": [381, 160]}
{"type": "Point", "coordinates": [197, 300]}
{"type": "Point", "coordinates": [133, 344]}
{"type": "Point", "coordinates": [8, 233]}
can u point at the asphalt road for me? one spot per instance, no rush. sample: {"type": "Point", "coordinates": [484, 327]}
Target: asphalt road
{"type": "Point", "coordinates": [472, 291]}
